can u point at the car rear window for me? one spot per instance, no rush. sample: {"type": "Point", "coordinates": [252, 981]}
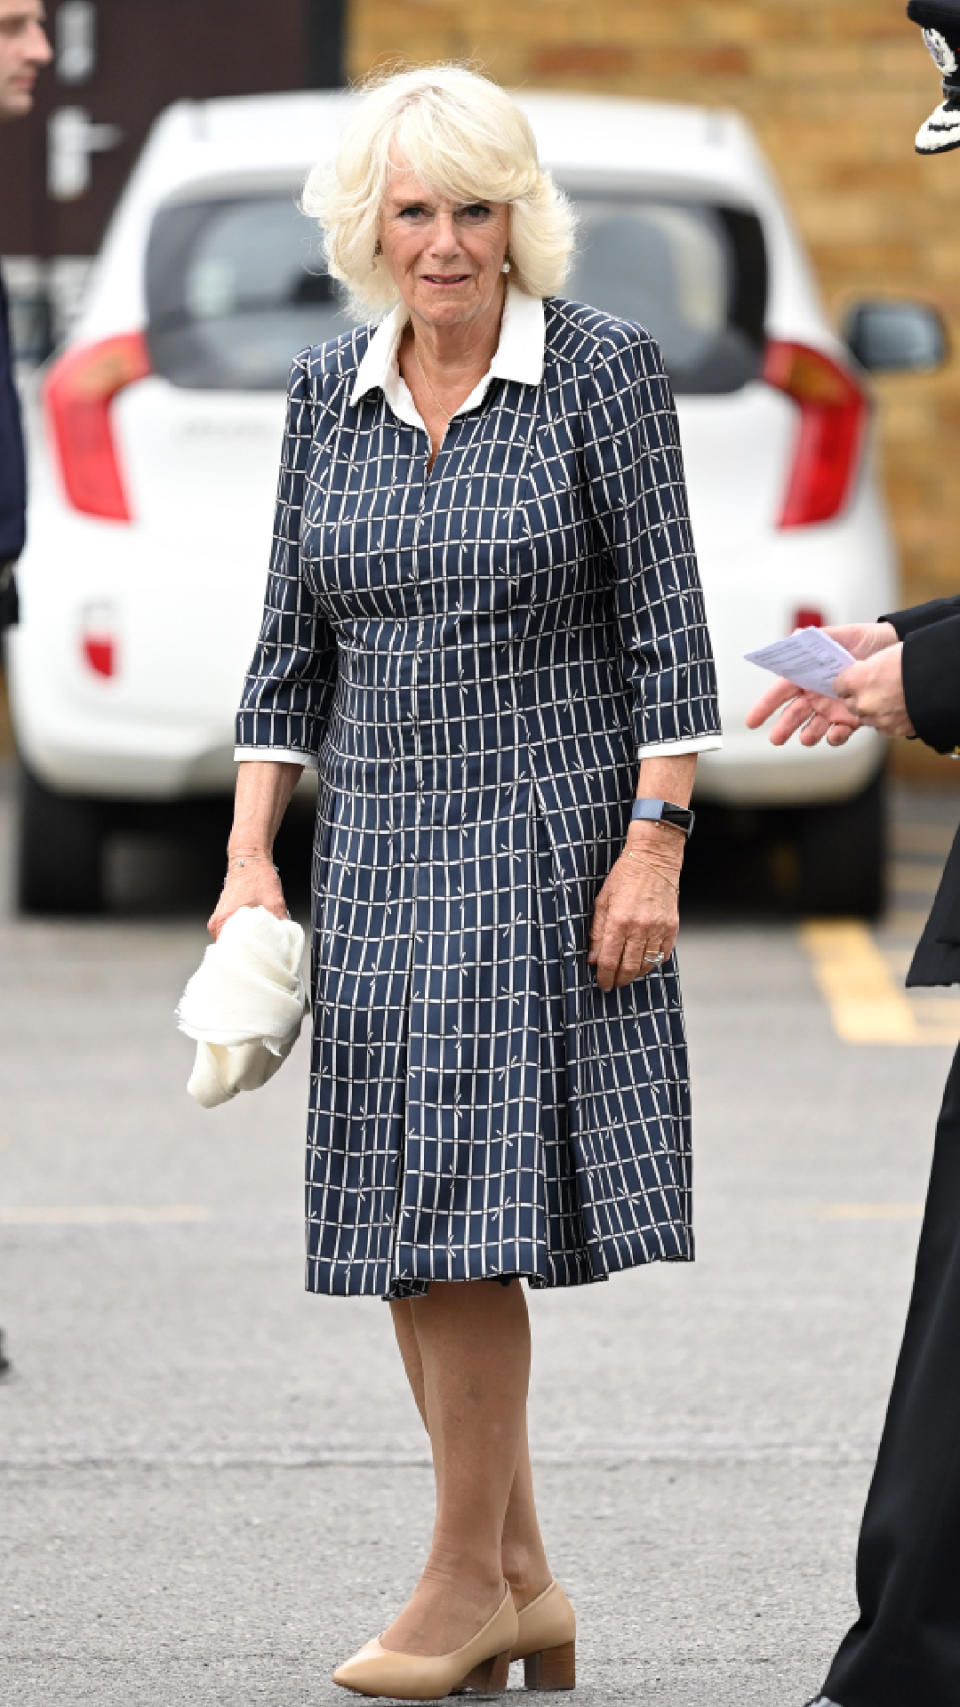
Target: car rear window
{"type": "Point", "coordinates": [235, 285]}
{"type": "Point", "coordinates": [693, 273]}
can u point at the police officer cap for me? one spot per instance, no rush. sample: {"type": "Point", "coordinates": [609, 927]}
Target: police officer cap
{"type": "Point", "coordinates": [940, 23]}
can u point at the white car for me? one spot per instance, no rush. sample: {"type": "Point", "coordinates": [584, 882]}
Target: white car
{"type": "Point", "coordinates": [152, 502]}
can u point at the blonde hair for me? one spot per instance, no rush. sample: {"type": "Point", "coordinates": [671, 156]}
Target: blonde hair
{"type": "Point", "coordinates": [464, 137]}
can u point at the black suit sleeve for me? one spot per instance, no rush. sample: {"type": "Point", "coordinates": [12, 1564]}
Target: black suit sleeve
{"type": "Point", "coordinates": [922, 616]}
{"type": "Point", "coordinates": [931, 670]}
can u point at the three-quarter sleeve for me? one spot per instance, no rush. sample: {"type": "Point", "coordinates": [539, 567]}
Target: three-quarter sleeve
{"type": "Point", "coordinates": [289, 685]}
{"type": "Point", "coordinates": [638, 494]}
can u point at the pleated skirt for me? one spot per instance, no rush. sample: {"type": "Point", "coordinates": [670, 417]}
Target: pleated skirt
{"type": "Point", "coordinates": [478, 1106]}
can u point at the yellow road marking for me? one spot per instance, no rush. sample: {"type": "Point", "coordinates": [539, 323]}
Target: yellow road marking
{"type": "Point", "coordinates": [865, 1003]}
{"type": "Point", "coordinates": [101, 1214]}
{"type": "Point", "coordinates": [871, 1211]}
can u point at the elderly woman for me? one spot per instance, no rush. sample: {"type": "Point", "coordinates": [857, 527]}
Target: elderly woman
{"type": "Point", "coordinates": [482, 626]}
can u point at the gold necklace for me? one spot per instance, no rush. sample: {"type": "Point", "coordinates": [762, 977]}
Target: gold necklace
{"type": "Point", "coordinates": [447, 415]}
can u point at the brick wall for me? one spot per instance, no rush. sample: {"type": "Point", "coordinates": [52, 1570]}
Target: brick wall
{"type": "Point", "coordinates": [836, 90]}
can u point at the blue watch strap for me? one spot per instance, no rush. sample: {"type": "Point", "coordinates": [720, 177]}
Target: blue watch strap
{"type": "Point", "coordinates": [663, 812]}
{"type": "Point", "coordinates": [652, 809]}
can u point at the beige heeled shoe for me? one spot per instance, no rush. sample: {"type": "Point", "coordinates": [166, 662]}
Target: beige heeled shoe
{"type": "Point", "coordinates": [547, 1641]}
{"type": "Point", "coordinates": [483, 1663]}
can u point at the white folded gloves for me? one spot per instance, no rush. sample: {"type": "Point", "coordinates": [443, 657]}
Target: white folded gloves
{"type": "Point", "coordinates": [244, 1005]}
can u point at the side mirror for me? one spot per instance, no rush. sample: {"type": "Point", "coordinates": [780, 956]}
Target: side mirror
{"type": "Point", "coordinates": [891, 337]}
{"type": "Point", "coordinates": [31, 327]}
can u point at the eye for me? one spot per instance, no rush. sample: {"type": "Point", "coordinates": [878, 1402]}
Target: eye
{"type": "Point", "coordinates": [475, 212]}
{"type": "Point", "coordinates": [415, 210]}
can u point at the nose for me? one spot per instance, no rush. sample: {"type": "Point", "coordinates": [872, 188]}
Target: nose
{"type": "Point", "coordinates": [39, 51]}
{"type": "Point", "coordinates": [445, 239]}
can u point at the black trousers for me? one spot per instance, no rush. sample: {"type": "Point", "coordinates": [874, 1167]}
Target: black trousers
{"type": "Point", "coordinates": [904, 1650]}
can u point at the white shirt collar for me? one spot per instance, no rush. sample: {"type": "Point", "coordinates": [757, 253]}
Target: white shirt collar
{"type": "Point", "coordinates": [518, 356]}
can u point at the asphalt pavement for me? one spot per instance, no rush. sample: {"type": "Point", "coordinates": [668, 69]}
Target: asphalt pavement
{"type": "Point", "coordinates": [213, 1486]}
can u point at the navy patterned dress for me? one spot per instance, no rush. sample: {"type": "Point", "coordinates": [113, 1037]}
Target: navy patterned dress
{"type": "Point", "coordinates": [474, 659]}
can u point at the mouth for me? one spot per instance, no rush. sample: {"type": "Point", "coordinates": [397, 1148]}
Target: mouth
{"type": "Point", "coordinates": [444, 281]}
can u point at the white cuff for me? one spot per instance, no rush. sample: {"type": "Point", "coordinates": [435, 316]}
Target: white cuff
{"type": "Point", "coordinates": [676, 749]}
{"type": "Point", "coordinates": [277, 756]}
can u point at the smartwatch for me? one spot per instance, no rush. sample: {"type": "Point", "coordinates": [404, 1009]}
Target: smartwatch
{"type": "Point", "coordinates": [664, 812]}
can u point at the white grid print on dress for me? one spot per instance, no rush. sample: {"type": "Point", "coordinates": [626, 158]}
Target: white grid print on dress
{"type": "Point", "coordinates": [474, 658]}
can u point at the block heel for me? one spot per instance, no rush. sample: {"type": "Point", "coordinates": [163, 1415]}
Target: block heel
{"type": "Point", "coordinates": [552, 1668]}
{"type": "Point", "coordinates": [491, 1675]}
{"type": "Point", "coordinates": [547, 1641]}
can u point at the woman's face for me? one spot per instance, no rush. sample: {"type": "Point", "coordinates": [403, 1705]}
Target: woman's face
{"type": "Point", "coordinates": [445, 257]}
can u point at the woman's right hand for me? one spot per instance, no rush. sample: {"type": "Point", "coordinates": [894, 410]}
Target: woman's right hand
{"type": "Point", "coordinates": [253, 884]}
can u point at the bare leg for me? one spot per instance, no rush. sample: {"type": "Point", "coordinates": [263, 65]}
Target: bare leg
{"type": "Point", "coordinates": [473, 1340]}
{"type": "Point", "coordinates": [523, 1555]}
{"type": "Point", "coordinates": [401, 1309]}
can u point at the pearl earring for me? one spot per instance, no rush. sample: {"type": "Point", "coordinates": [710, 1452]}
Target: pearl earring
{"type": "Point", "coordinates": [506, 267]}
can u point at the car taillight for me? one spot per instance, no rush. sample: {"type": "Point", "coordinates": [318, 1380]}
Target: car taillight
{"type": "Point", "coordinates": [98, 637]}
{"type": "Point", "coordinates": [832, 411]}
{"type": "Point", "coordinates": [78, 393]}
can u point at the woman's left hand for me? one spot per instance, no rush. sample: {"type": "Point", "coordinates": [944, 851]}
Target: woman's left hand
{"type": "Point", "coordinates": [635, 920]}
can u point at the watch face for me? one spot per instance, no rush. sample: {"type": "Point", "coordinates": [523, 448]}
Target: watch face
{"type": "Point", "coordinates": [940, 52]}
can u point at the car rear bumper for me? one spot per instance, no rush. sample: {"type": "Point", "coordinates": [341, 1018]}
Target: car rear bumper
{"type": "Point", "coordinates": [139, 762]}
{"type": "Point", "coordinates": [182, 628]}
{"type": "Point", "coordinates": [85, 752]}
{"type": "Point", "coordinates": [749, 772]}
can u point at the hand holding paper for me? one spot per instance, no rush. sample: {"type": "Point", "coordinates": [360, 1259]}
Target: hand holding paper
{"type": "Point", "coordinates": [856, 679]}
{"type": "Point", "coordinates": [809, 658]}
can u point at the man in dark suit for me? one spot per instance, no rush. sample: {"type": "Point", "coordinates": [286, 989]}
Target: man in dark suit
{"type": "Point", "coordinates": [24, 50]}
{"type": "Point", "coordinates": [904, 1649]}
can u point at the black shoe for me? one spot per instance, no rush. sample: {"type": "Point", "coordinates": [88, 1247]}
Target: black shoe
{"type": "Point", "coordinates": [5, 1364]}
